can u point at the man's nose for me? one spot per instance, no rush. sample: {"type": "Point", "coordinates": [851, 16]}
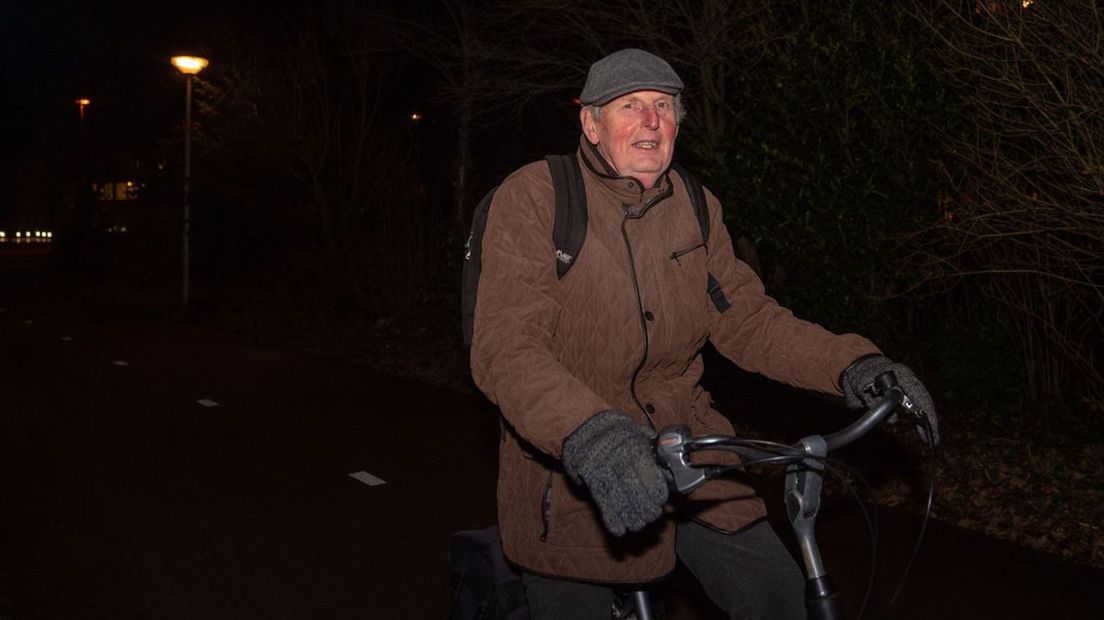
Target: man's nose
{"type": "Point", "coordinates": [651, 117]}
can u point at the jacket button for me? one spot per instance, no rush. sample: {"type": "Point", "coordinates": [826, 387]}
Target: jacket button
{"type": "Point", "coordinates": [650, 408]}
{"type": "Point", "coordinates": [648, 315]}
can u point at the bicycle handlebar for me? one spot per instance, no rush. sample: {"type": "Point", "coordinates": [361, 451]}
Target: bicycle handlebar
{"type": "Point", "coordinates": [675, 443]}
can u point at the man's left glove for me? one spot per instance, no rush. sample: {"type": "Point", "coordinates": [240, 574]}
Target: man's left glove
{"type": "Point", "coordinates": [613, 456]}
{"type": "Point", "coordinates": [857, 382]}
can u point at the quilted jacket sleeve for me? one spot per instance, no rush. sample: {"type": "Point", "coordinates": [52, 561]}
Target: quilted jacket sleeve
{"type": "Point", "coordinates": [512, 357]}
{"type": "Point", "coordinates": [761, 336]}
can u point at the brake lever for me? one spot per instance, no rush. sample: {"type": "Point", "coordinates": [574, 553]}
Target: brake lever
{"type": "Point", "coordinates": [672, 447]}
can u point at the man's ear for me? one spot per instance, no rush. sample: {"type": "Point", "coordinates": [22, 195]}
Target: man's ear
{"type": "Point", "coordinates": [590, 125]}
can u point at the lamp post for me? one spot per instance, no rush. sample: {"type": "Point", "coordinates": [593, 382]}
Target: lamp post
{"type": "Point", "coordinates": [189, 66]}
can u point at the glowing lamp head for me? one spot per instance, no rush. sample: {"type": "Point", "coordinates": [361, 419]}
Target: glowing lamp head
{"type": "Point", "coordinates": [189, 65]}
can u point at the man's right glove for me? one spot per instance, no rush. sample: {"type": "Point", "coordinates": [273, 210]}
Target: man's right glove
{"type": "Point", "coordinates": [613, 456]}
{"type": "Point", "coordinates": [857, 382]}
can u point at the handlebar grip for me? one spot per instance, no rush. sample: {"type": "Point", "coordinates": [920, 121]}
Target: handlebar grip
{"type": "Point", "coordinates": [888, 381]}
{"type": "Point", "coordinates": [885, 381]}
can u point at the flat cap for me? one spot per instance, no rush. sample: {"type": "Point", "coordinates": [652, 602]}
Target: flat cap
{"type": "Point", "coordinates": [627, 71]}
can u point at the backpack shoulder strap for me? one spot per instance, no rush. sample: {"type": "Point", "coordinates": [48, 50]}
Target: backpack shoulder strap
{"type": "Point", "coordinates": [568, 233]}
{"type": "Point", "coordinates": [697, 199]}
{"type": "Point", "coordinates": [570, 224]}
{"type": "Point", "coordinates": [473, 267]}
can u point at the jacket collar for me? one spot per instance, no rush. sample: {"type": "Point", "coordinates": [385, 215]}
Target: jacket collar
{"type": "Point", "coordinates": [627, 191]}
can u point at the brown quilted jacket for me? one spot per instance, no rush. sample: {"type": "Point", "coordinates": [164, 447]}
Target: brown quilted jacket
{"type": "Point", "coordinates": [623, 329]}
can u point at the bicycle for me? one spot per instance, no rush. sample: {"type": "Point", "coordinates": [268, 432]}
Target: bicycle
{"type": "Point", "coordinates": [805, 461]}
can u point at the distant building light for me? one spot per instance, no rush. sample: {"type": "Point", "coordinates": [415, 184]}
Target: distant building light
{"type": "Point", "coordinates": [1027, 3]}
{"type": "Point", "coordinates": [415, 117]}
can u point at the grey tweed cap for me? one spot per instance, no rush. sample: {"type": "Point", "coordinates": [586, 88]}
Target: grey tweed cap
{"type": "Point", "coordinates": [627, 71]}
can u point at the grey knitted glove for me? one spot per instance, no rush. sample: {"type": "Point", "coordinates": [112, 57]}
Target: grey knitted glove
{"type": "Point", "coordinates": [613, 456]}
{"type": "Point", "coordinates": [857, 382]}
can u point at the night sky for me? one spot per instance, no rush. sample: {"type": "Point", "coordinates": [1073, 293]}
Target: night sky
{"type": "Point", "coordinates": [116, 53]}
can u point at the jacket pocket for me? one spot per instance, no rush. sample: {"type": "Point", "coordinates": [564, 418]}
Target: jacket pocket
{"type": "Point", "coordinates": [546, 508]}
{"type": "Point", "coordinates": [679, 254]}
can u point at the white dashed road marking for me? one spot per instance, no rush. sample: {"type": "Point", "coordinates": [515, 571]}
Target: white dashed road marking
{"type": "Point", "coordinates": [120, 363]}
{"type": "Point", "coordinates": [366, 478]}
{"type": "Point", "coordinates": [66, 338]}
{"type": "Point", "coordinates": [207, 402]}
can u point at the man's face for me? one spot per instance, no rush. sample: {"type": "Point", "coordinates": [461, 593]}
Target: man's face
{"type": "Point", "coordinates": [636, 133]}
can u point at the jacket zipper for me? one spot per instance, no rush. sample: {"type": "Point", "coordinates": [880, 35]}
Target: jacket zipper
{"type": "Point", "coordinates": [640, 314]}
{"type": "Point", "coordinates": [546, 508]}
{"type": "Point", "coordinates": [676, 255]}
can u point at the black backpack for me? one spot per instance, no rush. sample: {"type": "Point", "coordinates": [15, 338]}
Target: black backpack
{"type": "Point", "coordinates": [568, 232]}
{"type": "Point", "coordinates": [483, 585]}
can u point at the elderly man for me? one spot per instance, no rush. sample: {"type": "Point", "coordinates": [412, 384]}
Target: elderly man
{"type": "Point", "coordinates": [587, 367]}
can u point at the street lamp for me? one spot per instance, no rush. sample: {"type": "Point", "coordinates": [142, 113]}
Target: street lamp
{"type": "Point", "coordinates": [82, 103]}
{"type": "Point", "coordinates": [189, 66]}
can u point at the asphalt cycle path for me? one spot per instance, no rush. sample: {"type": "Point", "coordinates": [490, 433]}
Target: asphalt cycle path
{"type": "Point", "coordinates": [159, 469]}
{"type": "Point", "coordinates": [153, 467]}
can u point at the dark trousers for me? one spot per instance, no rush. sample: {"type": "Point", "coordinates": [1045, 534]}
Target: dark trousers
{"type": "Point", "coordinates": [749, 574]}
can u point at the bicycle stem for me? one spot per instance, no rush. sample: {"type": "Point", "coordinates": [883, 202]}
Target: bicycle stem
{"type": "Point", "coordinates": [804, 481]}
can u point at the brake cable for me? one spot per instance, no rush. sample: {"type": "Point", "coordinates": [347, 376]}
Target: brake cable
{"type": "Point", "coordinates": [930, 434]}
